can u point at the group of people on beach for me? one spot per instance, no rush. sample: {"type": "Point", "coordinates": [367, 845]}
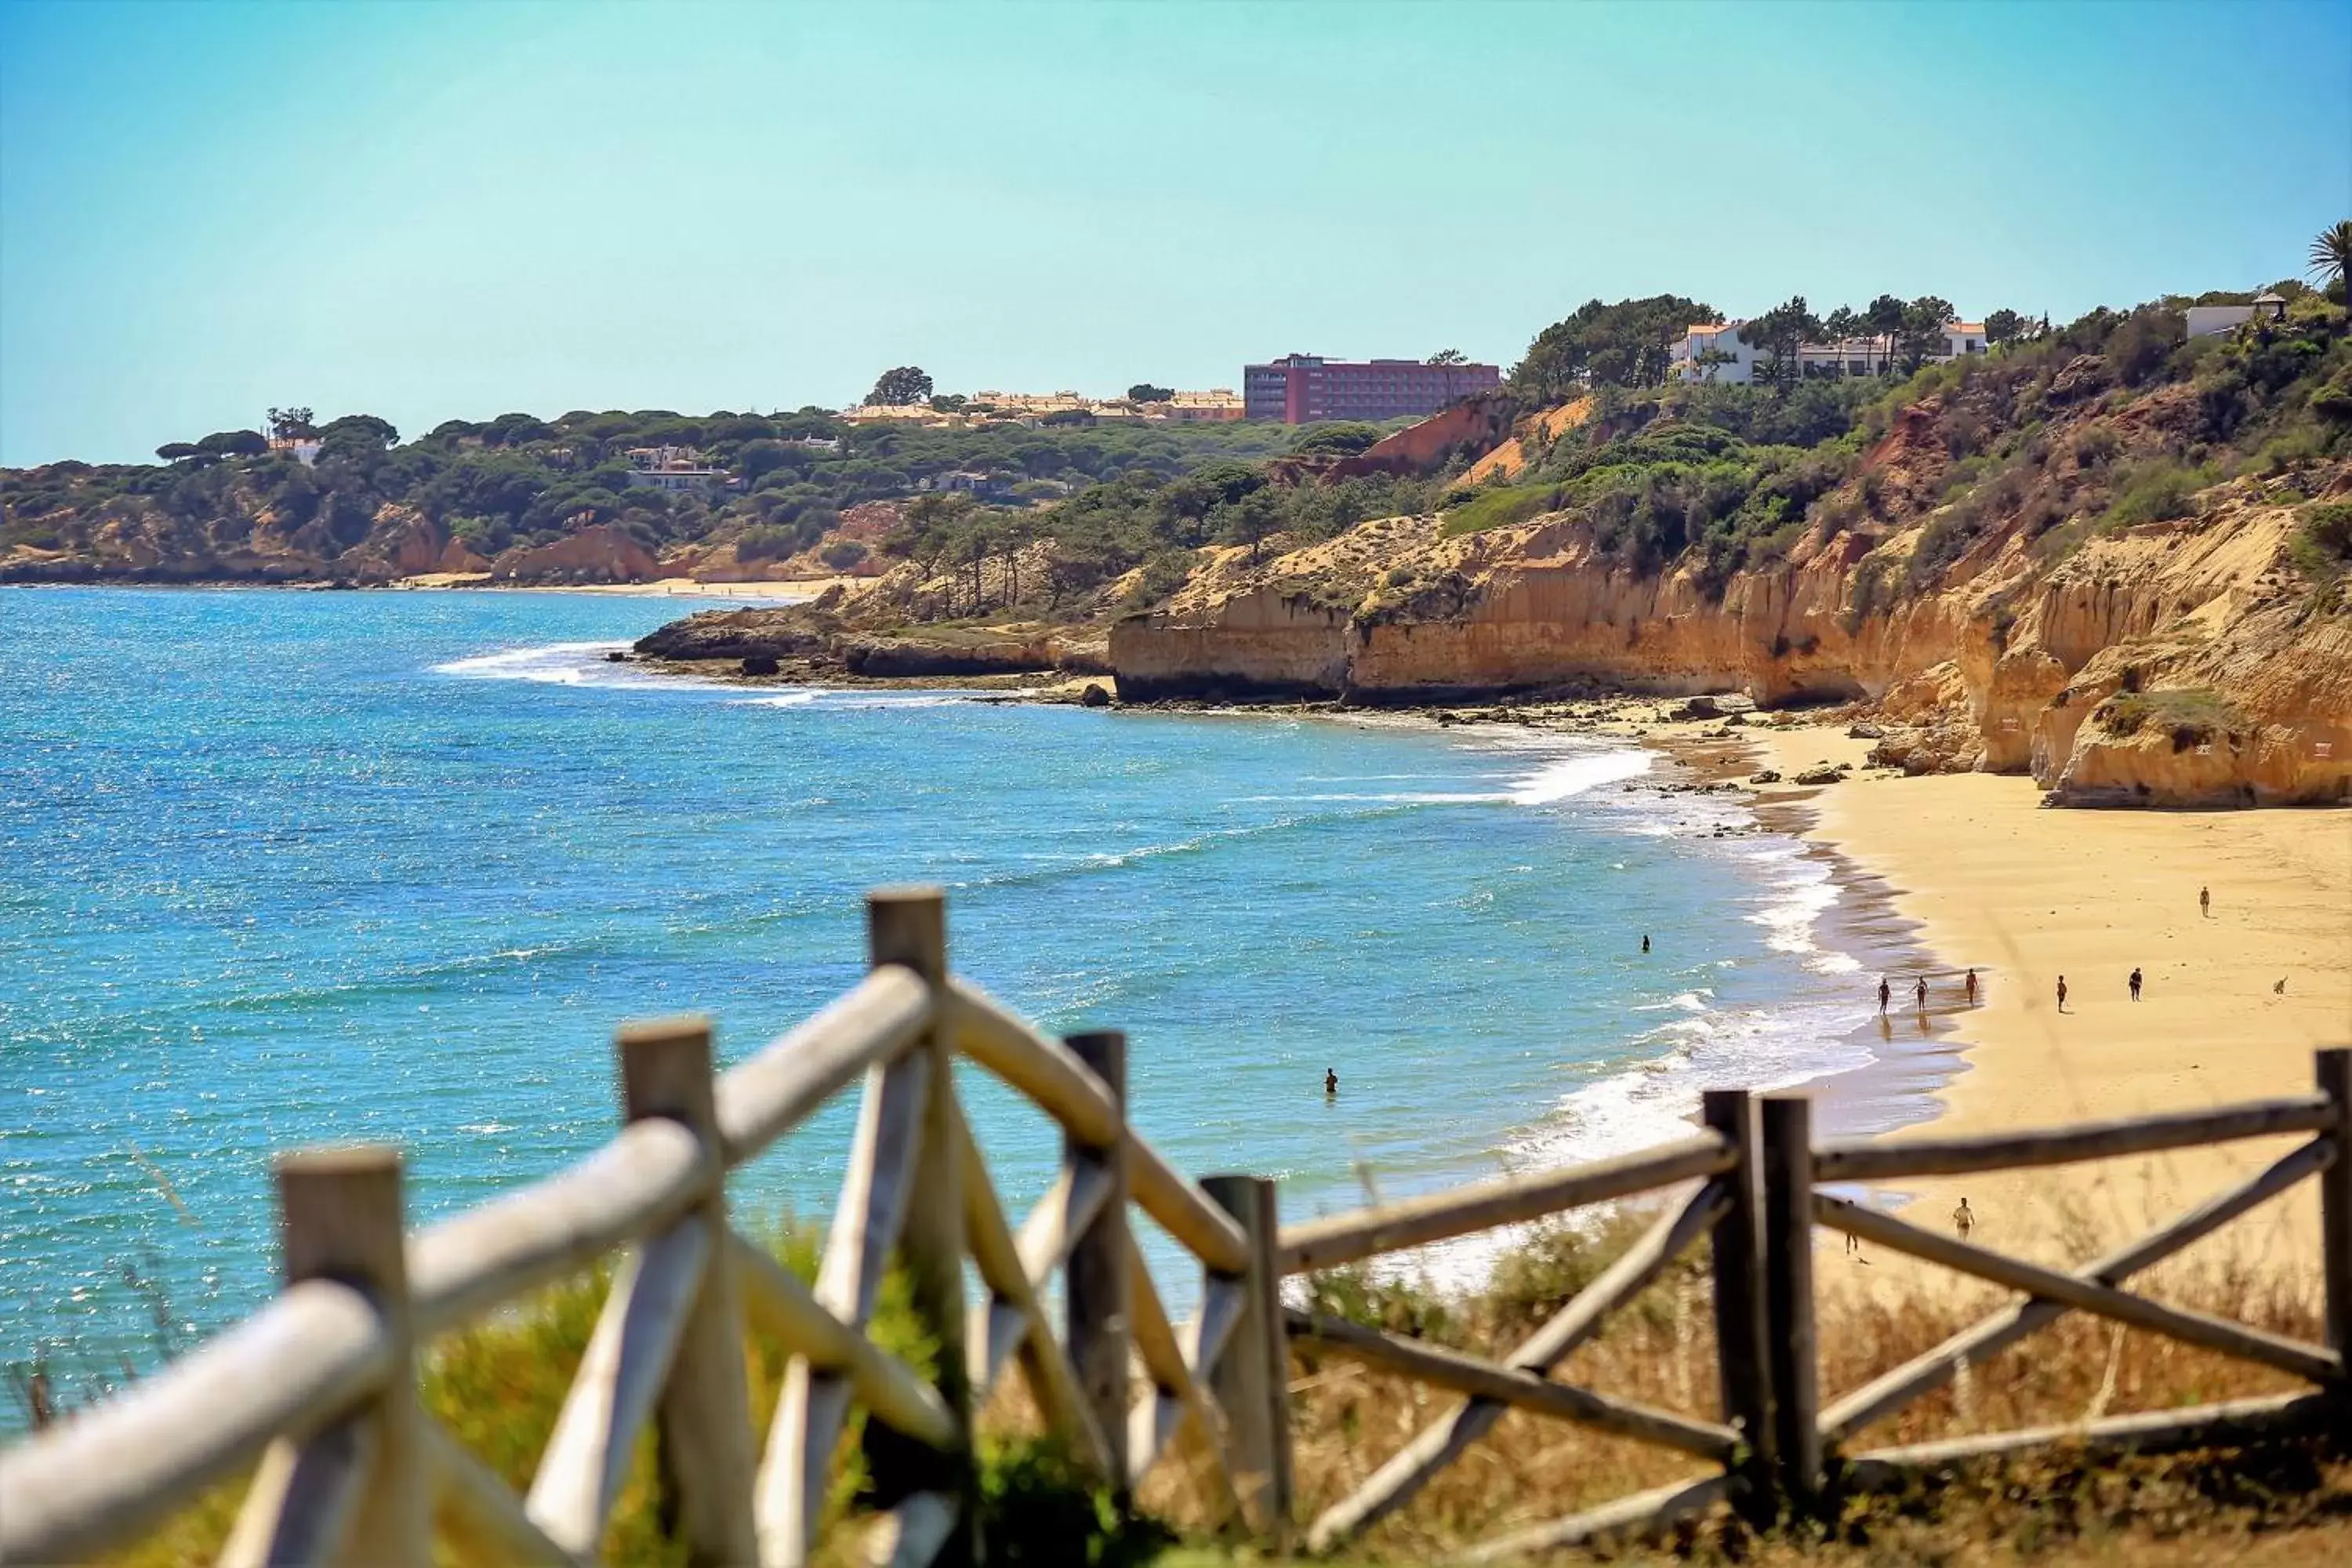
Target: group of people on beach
{"type": "Point", "coordinates": [2133, 982]}
{"type": "Point", "coordinates": [1919, 991]}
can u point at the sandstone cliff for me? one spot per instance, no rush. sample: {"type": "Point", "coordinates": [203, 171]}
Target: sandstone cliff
{"type": "Point", "coordinates": [2185, 662]}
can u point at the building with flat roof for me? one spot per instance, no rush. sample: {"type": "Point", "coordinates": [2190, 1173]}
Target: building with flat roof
{"type": "Point", "coordinates": [1214, 406]}
{"type": "Point", "coordinates": [1300, 389]}
{"type": "Point", "coordinates": [672, 468]}
{"type": "Point", "coordinates": [1716, 350]}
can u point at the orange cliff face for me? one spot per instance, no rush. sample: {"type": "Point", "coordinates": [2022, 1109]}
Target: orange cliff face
{"type": "Point", "coordinates": [2181, 663]}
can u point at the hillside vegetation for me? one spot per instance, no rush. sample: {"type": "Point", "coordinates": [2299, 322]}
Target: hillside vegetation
{"type": "Point", "coordinates": [482, 495]}
{"type": "Point", "coordinates": [2104, 554]}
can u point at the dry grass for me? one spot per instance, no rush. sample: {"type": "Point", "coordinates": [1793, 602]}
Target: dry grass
{"type": "Point", "coordinates": [1348, 1420]}
{"type": "Point", "coordinates": [497, 1388]}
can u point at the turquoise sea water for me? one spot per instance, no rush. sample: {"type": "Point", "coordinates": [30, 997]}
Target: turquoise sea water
{"type": "Point", "coordinates": [282, 868]}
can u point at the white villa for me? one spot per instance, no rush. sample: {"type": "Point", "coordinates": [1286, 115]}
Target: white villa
{"type": "Point", "coordinates": [1716, 353]}
{"type": "Point", "coordinates": [2211, 321]}
{"type": "Point", "coordinates": [672, 468]}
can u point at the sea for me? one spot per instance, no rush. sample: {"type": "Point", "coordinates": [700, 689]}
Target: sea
{"type": "Point", "coordinates": [281, 868]}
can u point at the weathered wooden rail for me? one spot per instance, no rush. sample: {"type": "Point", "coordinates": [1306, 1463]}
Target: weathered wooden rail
{"type": "Point", "coordinates": [316, 1395]}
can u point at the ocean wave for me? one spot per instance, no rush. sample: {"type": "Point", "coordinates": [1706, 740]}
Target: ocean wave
{"type": "Point", "coordinates": [1688, 1001]}
{"type": "Point", "coordinates": [558, 664]}
{"type": "Point", "coordinates": [1573, 775]}
{"type": "Point", "coordinates": [1399, 798]}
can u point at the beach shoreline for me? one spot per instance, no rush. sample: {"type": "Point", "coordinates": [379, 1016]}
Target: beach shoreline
{"type": "Point", "coordinates": [1941, 873]}
{"type": "Point", "coordinates": [1988, 879]}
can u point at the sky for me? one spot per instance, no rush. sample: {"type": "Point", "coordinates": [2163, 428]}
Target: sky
{"type": "Point", "coordinates": [432, 211]}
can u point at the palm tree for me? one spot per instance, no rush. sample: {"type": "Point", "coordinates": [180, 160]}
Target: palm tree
{"type": "Point", "coordinates": [2331, 254]}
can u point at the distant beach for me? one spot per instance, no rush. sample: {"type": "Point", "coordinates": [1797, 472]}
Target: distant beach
{"type": "Point", "coordinates": [784, 593]}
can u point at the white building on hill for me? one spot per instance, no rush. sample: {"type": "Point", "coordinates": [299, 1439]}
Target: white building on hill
{"type": "Point", "coordinates": [1715, 352]}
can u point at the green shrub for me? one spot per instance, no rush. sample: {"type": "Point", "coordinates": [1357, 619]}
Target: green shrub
{"type": "Point", "coordinates": [766, 542]}
{"type": "Point", "coordinates": [39, 533]}
{"type": "Point", "coordinates": [1342, 439]}
{"type": "Point", "coordinates": [2322, 548]}
{"type": "Point", "coordinates": [844, 554]}
{"type": "Point", "coordinates": [1502, 507]}
{"type": "Point", "coordinates": [2157, 491]}
{"type": "Point", "coordinates": [2191, 716]}
{"type": "Point", "coordinates": [1162, 574]}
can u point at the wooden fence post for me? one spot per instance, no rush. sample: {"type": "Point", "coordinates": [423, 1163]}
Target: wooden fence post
{"type": "Point", "coordinates": [2335, 1070]}
{"type": "Point", "coordinates": [704, 1421]}
{"type": "Point", "coordinates": [909, 926]}
{"type": "Point", "coordinates": [1743, 1339]}
{"type": "Point", "coordinates": [1100, 1322]}
{"type": "Point", "coordinates": [1252, 1378]}
{"type": "Point", "coordinates": [340, 1217]}
{"type": "Point", "coordinates": [1788, 1292]}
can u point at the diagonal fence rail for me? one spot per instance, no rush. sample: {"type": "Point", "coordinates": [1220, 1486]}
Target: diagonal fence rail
{"type": "Point", "coordinates": [315, 1395]}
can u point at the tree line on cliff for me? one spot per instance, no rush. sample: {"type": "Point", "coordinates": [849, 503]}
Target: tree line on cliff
{"type": "Point", "coordinates": [1722, 477]}
{"type": "Point", "coordinates": [519, 480]}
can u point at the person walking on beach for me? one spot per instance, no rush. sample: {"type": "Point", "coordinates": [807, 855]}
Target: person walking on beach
{"type": "Point", "coordinates": [1972, 987]}
{"type": "Point", "coordinates": [1330, 1084]}
{"type": "Point", "coordinates": [1964, 1219]}
{"type": "Point", "coordinates": [2134, 983]}
{"type": "Point", "coordinates": [1886, 994]}
{"type": "Point", "coordinates": [2205, 902]}
{"type": "Point", "coordinates": [2062, 993]}
{"type": "Point", "coordinates": [1923, 993]}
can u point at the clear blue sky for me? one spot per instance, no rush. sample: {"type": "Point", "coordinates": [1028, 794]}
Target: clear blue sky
{"type": "Point", "coordinates": [429, 211]}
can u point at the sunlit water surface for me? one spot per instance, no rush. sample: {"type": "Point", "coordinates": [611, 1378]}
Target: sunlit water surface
{"type": "Point", "coordinates": [286, 867]}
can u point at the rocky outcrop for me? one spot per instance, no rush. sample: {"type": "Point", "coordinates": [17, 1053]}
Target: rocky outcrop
{"type": "Point", "coordinates": [804, 642]}
{"type": "Point", "coordinates": [601, 553]}
{"type": "Point", "coordinates": [1259, 643]}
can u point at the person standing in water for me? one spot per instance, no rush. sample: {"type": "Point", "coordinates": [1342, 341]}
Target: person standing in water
{"type": "Point", "coordinates": [2134, 983]}
{"type": "Point", "coordinates": [1330, 1084]}
{"type": "Point", "coordinates": [1886, 994]}
{"type": "Point", "coordinates": [2062, 993]}
{"type": "Point", "coordinates": [1972, 987]}
{"type": "Point", "coordinates": [1923, 993]}
{"type": "Point", "coordinates": [1645, 941]}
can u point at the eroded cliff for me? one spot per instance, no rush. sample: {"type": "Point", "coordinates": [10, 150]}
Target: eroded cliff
{"type": "Point", "coordinates": [2186, 662]}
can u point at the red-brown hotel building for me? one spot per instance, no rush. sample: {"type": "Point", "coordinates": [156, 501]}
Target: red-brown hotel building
{"type": "Point", "coordinates": [1300, 389]}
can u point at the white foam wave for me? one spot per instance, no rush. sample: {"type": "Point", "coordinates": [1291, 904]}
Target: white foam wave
{"type": "Point", "coordinates": [1574, 775]}
{"type": "Point", "coordinates": [1688, 1001]}
{"type": "Point", "coordinates": [556, 664]}
{"type": "Point", "coordinates": [1652, 1100]}
{"type": "Point", "coordinates": [1399, 798]}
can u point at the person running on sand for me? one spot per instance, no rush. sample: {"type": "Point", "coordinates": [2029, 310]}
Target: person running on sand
{"type": "Point", "coordinates": [1886, 994]}
{"type": "Point", "coordinates": [1330, 1081]}
{"type": "Point", "coordinates": [2062, 993]}
{"type": "Point", "coordinates": [1964, 1219]}
{"type": "Point", "coordinates": [1972, 987]}
{"type": "Point", "coordinates": [2135, 984]}
{"type": "Point", "coordinates": [2205, 902]}
{"type": "Point", "coordinates": [1923, 993]}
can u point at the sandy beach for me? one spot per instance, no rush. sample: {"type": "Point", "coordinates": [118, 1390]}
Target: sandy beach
{"type": "Point", "coordinates": [660, 588]}
{"type": "Point", "coordinates": [2024, 895]}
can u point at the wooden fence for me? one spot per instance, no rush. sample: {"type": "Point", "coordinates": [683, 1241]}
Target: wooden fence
{"type": "Point", "coordinates": [316, 1393]}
